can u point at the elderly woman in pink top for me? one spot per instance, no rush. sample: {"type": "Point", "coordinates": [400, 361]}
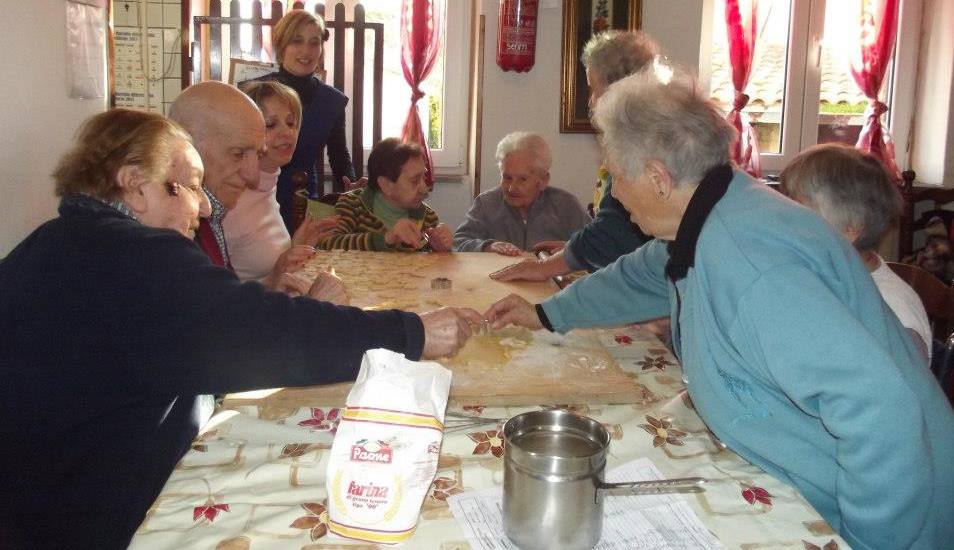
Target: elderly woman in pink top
{"type": "Point", "coordinates": [259, 245]}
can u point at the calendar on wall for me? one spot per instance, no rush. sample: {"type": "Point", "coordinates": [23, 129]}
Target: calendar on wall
{"type": "Point", "coordinates": [147, 54]}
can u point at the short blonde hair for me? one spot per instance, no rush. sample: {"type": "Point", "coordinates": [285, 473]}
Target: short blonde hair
{"type": "Point", "coordinates": [108, 141]}
{"type": "Point", "coordinates": [260, 90]}
{"type": "Point", "coordinates": [291, 24]}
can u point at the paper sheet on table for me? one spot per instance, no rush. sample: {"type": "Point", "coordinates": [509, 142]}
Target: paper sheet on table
{"type": "Point", "coordinates": [629, 522]}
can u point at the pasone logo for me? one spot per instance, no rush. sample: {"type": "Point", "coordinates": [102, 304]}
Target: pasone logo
{"type": "Point", "coordinates": [365, 450]}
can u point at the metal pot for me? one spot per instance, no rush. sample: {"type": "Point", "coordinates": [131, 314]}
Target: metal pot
{"type": "Point", "coordinates": [553, 480]}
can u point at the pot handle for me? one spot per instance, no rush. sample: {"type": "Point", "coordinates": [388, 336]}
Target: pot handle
{"type": "Point", "coordinates": [676, 485]}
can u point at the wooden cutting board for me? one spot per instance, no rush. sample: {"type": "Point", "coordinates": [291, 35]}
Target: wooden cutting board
{"type": "Point", "coordinates": [512, 366]}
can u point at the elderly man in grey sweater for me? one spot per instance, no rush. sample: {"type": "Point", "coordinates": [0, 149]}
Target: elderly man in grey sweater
{"type": "Point", "coordinates": [522, 214]}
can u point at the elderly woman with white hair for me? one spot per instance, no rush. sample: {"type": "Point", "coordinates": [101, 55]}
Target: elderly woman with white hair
{"type": "Point", "coordinates": [790, 355]}
{"type": "Point", "coordinates": [608, 56]}
{"type": "Point", "coordinates": [524, 211]}
{"type": "Point", "coordinates": [854, 193]}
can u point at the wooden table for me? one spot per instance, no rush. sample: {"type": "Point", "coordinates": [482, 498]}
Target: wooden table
{"type": "Point", "coordinates": [512, 366]}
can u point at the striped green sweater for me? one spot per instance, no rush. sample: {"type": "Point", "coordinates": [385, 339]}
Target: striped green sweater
{"type": "Point", "coordinates": [360, 229]}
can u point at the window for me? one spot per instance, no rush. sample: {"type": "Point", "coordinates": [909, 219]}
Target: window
{"type": "Point", "coordinates": [443, 109]}
{"type": "Point", "coordinates": [801, 90]}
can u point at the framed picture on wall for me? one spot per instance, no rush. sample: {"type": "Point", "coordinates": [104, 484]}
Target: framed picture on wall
{"type": "Point", "coordinates": [581, 20]}
{"type": "Point", "coordinates": [241, 70]}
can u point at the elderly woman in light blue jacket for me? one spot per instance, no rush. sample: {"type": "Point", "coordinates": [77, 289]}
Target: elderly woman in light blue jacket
{"type": "Point", "coordinates": [792, 357]}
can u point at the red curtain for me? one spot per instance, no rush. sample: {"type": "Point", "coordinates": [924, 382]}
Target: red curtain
{"type": "Point", "coordinates": [741, 22]}
{"type": "Point", "coordinates": [878, 29]}
{"type": "Point", "coordinates": [422, 36]}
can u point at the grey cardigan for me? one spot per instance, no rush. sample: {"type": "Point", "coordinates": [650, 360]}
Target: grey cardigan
{"type": "Point", "coordinates": [554, 216]}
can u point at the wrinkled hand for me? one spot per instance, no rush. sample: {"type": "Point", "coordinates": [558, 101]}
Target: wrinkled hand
{"type": "Point", "coordinates": [289, 261]}
{"type": "Point", "coordinates": [405, 232]}
{"type": "Point", "coordinates": [513, 310]}
{"type": "Point", "coordinates": [440, 238]}
{"type": "Point", "coordinates": [446, 330]}
{"type": "Point", "coordinates": [527, 270]}
{"type": "Point", "coordinates": [312, 230]}
{"type": "Point", "coordinates": [293, 285]}
{"type": "Point", "coordinates": [550, 247]}
{"type": "Point", "coordinates": [352, 185]}
{"type": "Point", "coordinates": [329, 288]}
{"type": "Point", "coordinates": [504, 248]}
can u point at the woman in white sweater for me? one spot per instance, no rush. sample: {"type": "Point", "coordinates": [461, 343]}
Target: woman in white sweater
{"type": "Point", "coordinates": [259, 245]}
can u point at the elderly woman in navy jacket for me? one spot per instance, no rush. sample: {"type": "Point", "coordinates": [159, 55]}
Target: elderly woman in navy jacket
{"type": "Point", "coordinates": [114, 323]}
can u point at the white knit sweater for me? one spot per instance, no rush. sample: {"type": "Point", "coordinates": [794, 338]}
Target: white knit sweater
{"type": "Point", "coordinates": [254, 230]}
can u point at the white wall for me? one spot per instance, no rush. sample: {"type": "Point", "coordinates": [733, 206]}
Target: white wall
{"type": "Point", "coordinates": [37, 117]}
{"type": "Point", "coordinates": [531, 100]}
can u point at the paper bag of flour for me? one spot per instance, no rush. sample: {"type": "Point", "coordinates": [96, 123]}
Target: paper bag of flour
{"type": "Point", "coordinates": [385, 452]}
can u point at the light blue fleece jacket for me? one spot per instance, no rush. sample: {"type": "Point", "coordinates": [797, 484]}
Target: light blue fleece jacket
{"type": "Point", "coordinates": [796, 363]}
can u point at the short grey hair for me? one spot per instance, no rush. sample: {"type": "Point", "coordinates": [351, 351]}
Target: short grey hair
{"type": "Point", "coordinates": [530, 143]}
{"type": "Point", "coordinates": [662, 116]}
{"type": "Point", "coordinates": [849, 188]}
{"type": "Point", "coordinates": [614, 55]}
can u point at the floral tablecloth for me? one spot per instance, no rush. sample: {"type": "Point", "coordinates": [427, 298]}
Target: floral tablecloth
{"type": "Point", "coordinates": [255, 477]}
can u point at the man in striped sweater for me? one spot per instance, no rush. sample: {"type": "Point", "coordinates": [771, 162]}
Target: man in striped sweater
{"type": "Point", "coordinates": [390, 213]}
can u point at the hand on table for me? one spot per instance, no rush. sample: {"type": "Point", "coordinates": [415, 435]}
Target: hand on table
{"type": "Point", "coordinates": [446, 330]}
{"type": "Point", "coordinates": [527, 270]}
{"type": "Point", "coordinates": [513, 310]}
{"type": "Point", "coordinates": [504, 248]}
{"type": "Point", "coordinates": [405, 232]}
{"type": "Point", "coordinates": [326, 287]}
{"type": "Point", "coordinates": [550, 247]}
{"type": "Point", "coordinates": [291, 284]}
{"type": "Point", "coordinates": [312, 230]}
{"type": "Point", "coordinates": [289, 261]}
{"type": "Point", "coordinates": [329, 288]}
{"type": "Point", "coordinates": [440, 238]}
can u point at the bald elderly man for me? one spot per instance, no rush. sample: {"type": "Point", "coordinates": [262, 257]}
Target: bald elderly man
{"type": "Point", "coordinates": [229, 132]}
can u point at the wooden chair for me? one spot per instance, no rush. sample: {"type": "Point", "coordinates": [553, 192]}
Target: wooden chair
{"type": "Point", "coordinates": [211, 52]}
{"type": "Point", "coordinates": [908, 225]}
{"type": "Point", "coordinates": [944, 360]}
{"type": "Point", "coordinates": [938, 300]}
{"type": "Point", "coordinates": [347, 37]}
{"type": "Point", "coordinates": [937, 297]}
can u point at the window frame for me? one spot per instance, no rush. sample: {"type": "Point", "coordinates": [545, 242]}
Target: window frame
{"type": "Point", "coordinates": [803, 81]}
{"type": "Point", "coordinates": [451, 159]}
